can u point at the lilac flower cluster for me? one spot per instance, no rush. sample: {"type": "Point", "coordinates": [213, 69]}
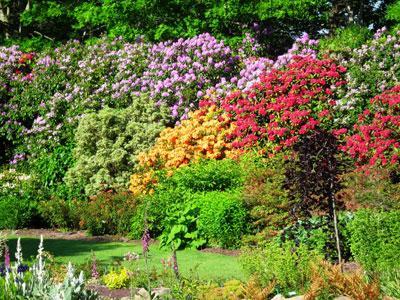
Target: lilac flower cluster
{"type": "Point", "coordinates": [178, 71]}
{"type": "Point", "coordinates": [8, 61]}
{"type": "Point", "coordinates": [303, 46]}
{"type": "Point", "coordinates": [373, 68]}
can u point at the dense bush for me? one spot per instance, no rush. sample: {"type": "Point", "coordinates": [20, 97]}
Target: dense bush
{"type": "Point", "coordinates": [17, 212]}
{"type": "Point", "coordinates": [372, 68]}
{"type": "Point", "coordinates": [376, 135]}
{"type": "Point", "coordinates": [285, 104]}
{"type": "Point", "coordinates": [222, 218]}
{"type": "Point", "coordinates": [376, 188]}
{"type": "Point", "coordinates": [375, 239]}
{"type": "Point", "coordinates": [174, 194]}
{"type": "Point", "coordinates": [289, 266]}
{"type": "Point", "coordinates": [264, 196]}
{"type": "Point", "coordinates": [208, 175]}
{"type": "Point", "coordinates": [203, 135]}
{"type": "Point", "coordinates": [107, 213]}
{"type": "Point", "coordinates": [19, 194]}
{"type": "Point", "coordinates": [344, 40]}
{"type": "Point", "coordinates": [61, 214]}
{"type": "Point", "coordinates": [108, 142]}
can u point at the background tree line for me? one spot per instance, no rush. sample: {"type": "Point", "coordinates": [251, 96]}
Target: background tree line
{"type": "Point", "coordinates": [35, 23]}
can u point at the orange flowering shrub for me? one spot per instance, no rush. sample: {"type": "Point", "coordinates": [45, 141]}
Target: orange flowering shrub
{"type": "Point", "coordinates": [202, 135]}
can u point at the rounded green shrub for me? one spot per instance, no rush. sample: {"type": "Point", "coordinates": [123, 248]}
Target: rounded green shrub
{"type": "Point", "coordinates": [107, 143]}
{"type": "Point", "coordinates": [17, 212]}
{"type": "Point", "coordinates": [223, 218]}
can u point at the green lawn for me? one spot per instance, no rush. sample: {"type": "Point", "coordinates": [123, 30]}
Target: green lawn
{"type": "Point", "coordinates": [193, 262]}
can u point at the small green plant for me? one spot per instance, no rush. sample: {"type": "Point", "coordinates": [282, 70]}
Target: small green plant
{"type": "Point", "coordinates": [182, 229]}
{"type": "Point", "coordinates": [288, 265]}
{"type": "Point", "coordinates": [390, 283]}
{"type": "Point", "coordinates": [208, 175]}
{"type": "Point", "coordinates": [117, 279]}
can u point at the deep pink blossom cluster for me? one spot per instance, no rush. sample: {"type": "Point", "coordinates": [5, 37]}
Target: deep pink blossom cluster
{"type": "Point", "coordinates": [286, 103]}
{"type": "Point", "coordinates": [376, 138]}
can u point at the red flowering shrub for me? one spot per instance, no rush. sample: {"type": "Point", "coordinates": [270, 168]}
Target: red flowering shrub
{"type": "Point", "coordinates": [376, 138]}
{"type": "Point", "coordinates": [24, 66]}
{"type": "Point", "coordinates": [285, 103]}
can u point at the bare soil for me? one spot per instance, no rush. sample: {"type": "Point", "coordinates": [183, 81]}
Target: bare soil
{"type": "Point", "coordinates": [106, 293]}
{"type": "Point", "coordinates": [221, 251]}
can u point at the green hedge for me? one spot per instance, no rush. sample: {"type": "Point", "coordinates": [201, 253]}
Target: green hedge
{"type": "Point", "coordinates": [17, 212]}
{"type": "Point", "coordinates": [375, 239]}
{"type": "Point", "coordinates": [223, 218]}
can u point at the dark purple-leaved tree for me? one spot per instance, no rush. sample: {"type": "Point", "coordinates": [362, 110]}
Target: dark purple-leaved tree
{"type": "Point", "coordinates": [313, 179]}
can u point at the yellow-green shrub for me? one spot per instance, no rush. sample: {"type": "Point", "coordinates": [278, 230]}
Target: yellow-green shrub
{"type": "Point", "coordinates": [117, 280]}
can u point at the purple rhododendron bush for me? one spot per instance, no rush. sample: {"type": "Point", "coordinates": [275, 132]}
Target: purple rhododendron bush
{"type": "Point", "coordinates": [202, 143]}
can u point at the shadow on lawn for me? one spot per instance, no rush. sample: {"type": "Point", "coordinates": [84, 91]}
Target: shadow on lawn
{"type": "Point", "coordinates": [63, 248]}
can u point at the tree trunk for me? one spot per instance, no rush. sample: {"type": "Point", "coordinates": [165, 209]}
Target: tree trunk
{"type": "Point", "coordinates": [5, 18]}
{"type": "Point", "coordinates": [337, 238]}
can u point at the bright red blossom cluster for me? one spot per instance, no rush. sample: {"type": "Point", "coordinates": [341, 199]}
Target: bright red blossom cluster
{"type": "Point", "coordinates": [377, 135]}
{"type": "Point", "coordinates": [24, 66]}
{"type": "Point", "coordinates": [285, 104]}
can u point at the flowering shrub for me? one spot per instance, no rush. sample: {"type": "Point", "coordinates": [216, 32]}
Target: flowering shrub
{"type": "Point", "coordinates": [254, 66]}
{"type": "Point", "coordinates": [376, 138]}
{"type": "Point", "coordinates": [64, 84]}
{"type": "Point", "coordinates": [373, 68]}
{"type": "Point", "coordinates": [107, 213]}
{"type": "Point", "coordinates": [203, 135]}
{"type": "Point", "coordinates": [285, 104]}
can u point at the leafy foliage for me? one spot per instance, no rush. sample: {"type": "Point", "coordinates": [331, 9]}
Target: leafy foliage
{"type": "Point", "coordinates": [376, 188]}
{"type": "Point", "coordinates": [375, 239]}
{"type": "Point", "coordinates": [107, 144]}
{"type": "Point", "coordinates": [330, 281]}
{"type": "Point", "coordinates": [182, 229]}
{"type": "Point", "coordinates": [222, 218]}
{"type": "Point", "coordinates": [312, 179]}
{"type": "Point", "coordinates": [264, 196]}
{"type": "Point", "coordinates": [288, 266]}
{"type": "Point", "coordinates": [107, 213]}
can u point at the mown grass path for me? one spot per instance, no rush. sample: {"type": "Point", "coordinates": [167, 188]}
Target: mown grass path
{"type": "Point", "coordinates": [207, 266]}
